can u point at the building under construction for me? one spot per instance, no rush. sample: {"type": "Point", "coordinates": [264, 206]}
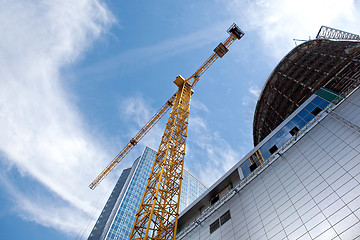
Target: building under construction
{"type": "Point", "coordinates": [317, 63]}
{"type": "Point", "coordinates": [302, 179]}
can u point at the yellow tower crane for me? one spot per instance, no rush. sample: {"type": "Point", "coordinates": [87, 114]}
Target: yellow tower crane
{"type": "Point", "coordinates": [158, 212]}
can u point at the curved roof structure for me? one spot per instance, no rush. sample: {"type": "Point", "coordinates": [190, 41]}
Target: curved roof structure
{"type": "Point", "coordinates": [334, 65]}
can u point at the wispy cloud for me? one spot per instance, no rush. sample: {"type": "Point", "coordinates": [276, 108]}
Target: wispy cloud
{"type": "Point", "coordinates": [136, 111]}
{"type": "Point", "coordinates": [36, 208]}
{"type": "Point", "coordinates": [255, 91]}
{"type": "Point", "coordinates": [251, 97]}
{"type": "Point", "coordinates": [198, 106]}
{"type": "Point", "coordinates": [42, 134]}
{"type": "Point", "coordinates": [138, 57]}
{"type": "Point", "coordinates": [209, 155]}
{"type": "Point", "coordinates": [277, 22]}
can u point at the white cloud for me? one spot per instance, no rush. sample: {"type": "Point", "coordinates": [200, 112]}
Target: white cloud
{"type": "Point", "coordinates": [38, 209]}
{"type": "Point", "coordinates": [138, 57]}
{"type": "Point", "coordinates": [255, 91]}
{"type": "Point", "coordinates": [252, 97]}
{"type": "Point", "coordinates": [198, 106]}
{"type": "Point", "coordinates": [137, 111]}
{"type": "Point", "coordinates": [205, 144]}
{"type": "Point", "coordinates": [277, 22]}
{"type": "Point", "coordinates": [42, 134]}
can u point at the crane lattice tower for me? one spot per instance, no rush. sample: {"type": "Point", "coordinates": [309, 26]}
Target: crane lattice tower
{"type": "Point", "coordinates": [158, 212]}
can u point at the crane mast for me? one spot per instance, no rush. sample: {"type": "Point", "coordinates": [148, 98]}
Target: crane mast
{"type": "Point", "coordinates": [158, 212]}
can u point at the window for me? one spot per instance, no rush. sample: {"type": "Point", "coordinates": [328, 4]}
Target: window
{"type": "Point", "coordinates": [294, 131]}
{"type": "Point", "coordinates": [273, 149]}
{"type": "Point", "coordinates": [220, 221]}
{"type": "Point", "coordinates": [316, 111]}
{"type": "Point", "coordinates": [214, 200]}
{"type": "Point", "coordinates": [225, 217]}
{"type": "Point", "coordinates": [253, 167]}
{"type": "Point", "coordinates": [214, 226]}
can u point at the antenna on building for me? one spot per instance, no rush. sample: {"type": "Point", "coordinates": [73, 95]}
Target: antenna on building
{"type": "Point", "coordinates": [299, 40]}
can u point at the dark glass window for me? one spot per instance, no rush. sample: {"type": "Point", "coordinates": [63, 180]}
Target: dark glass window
{"type": "Point", "coordinates": [214, 200]}
{"type": "Point", "coordinates": [316, 111]}
{"type": "Point", "coordinates": [220, 221]}
{"type": "Point", "coordinates": [273, 149]}
{"type": "Point", "coordinates": [214, 226]}
{"type": "Point", "coordinates": [294, 131]}
{"type": "Point", "coordinates": [225, 217]}
{"type": "Point", "coordinates": [252, 167]}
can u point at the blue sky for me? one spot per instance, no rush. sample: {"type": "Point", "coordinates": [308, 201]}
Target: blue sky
{"type": "Point", "coordinates": [80, 78]}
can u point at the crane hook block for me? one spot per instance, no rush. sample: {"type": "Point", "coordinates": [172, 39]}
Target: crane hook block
{"type": "Point", "coordinates": [236, 31]}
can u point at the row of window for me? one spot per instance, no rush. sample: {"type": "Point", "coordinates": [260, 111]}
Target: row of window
{"type": "Point", "coordinates": [285, 133]}
{"type": "Point", "coordinates": [220, 221]}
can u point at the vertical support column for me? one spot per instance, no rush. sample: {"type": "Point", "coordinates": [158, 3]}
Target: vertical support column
{"type": "Point", "coordinates": [158, 212]}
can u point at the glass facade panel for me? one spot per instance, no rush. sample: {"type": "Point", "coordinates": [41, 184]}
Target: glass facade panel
{"type": "Point", "coordinates": [245, 167]}
{"type": "Point", "coordinates": [310, 107]}
{"type": "Point", "coordinates": [125, 216]}
{"type": "Point", "coordinates": [191, 188]}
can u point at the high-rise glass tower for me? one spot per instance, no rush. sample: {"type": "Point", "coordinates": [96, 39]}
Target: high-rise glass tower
{"type": "Point", "coordinates": [117, 218]}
